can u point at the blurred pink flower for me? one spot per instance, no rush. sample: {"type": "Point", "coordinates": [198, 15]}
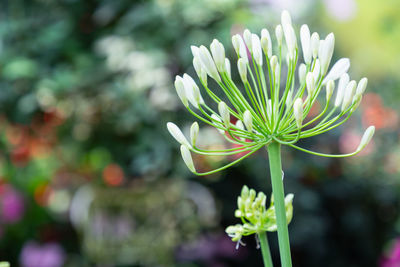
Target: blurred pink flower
{"type": "Point", "coordinates": [11, 205]}
{"type": "Point", "coordinates": [392, 259]}
{"type": "Point", "coordinates": [48, 255]}
{"type": "Point", "coordinates": [341, 10]}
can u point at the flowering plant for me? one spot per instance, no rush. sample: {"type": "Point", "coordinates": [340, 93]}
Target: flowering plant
{"type": "Point", "coordinates": [267, 111]}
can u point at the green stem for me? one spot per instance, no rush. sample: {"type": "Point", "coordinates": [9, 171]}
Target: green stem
{"type": "Point", "coordinates": [274, 155]}
{"type": "Point", "coordinates": [266, 254]}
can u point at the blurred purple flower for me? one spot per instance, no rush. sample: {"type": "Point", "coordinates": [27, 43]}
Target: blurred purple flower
{"type": "Point", "coordinates": [11, 206]}
{"type": "Point", "coordinates": [392, 259]}
{"type": "Point", "coordinates": [342, 10]}
{"type": "Point", "coordinates": [48, 255]}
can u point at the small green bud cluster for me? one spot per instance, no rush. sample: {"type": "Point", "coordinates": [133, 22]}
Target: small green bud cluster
{"type": "Point", "coordinates": [255, 217]}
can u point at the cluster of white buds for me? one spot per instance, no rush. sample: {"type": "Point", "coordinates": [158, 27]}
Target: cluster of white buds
{"type": "Point", "coordinates": [264, 109]}
{"type": "Point", "coordinates": [255, 217]}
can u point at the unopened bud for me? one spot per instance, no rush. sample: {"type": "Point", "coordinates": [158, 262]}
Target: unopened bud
{"type": "Point", "coordinates": [330, 86]}
{"type": "Point", "coordinates": [187, 158]}
{"type": "Point", "coordinates": [314, 44]}
{"type": "Point", "coordinates": [306, 43]}
{"type": "Point", "coordinates": [239, 125]}
{"type": "Point", "coordinates": [208, 63]}
{"type": "Point", "coordinates": [228, 68]}
{"type": "Point", "coordinates": [180, 90]}
{"type": "Point", "coordinates": [279, 34]}
{"type": "Point", "coordinates": [340, 67]}
{"type": "Point", "coordinates": [248, 120]}
{"type": "Point", "coordinates": [194, 132]}
{"type": "Point", "coordinates": [224, 113]}
{"type": "Point", "coordinates": [177, 134]}
{"type": "Point", "coordinates": [266, 43]}
{"type": "Point", "coordinates": [247, 39]}
{"type": "Point", "coordinates": [218, 54]}
{"type": "Point", "coordinates": [310, 81]}
{"type": "Point", "coordinates": [362, 85]}
{"type": "Point", "coordinates": [349, 94]}
{"type": "Point", "coordinates": [274, 63]}
{"type": "Point", "coordinates": [326, 52]}
{"type": "Point", "coordinates": [366, 137]}
{"type": "Point", "coordinates": [242, 68]}
{"type": "Point", "coordinates": [302, 73]}
{"type": "Point", "coordinates": [298, 111]}
{"type": "Point", "coordinates": [257, 52]}
{"type": "Point", "coordinates": [286, 18]}
{"type": "Point", "coordinates": [343, 82]}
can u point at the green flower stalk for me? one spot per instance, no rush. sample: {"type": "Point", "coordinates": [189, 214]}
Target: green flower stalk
{"type": "Point", "coordinates": [271, 107]}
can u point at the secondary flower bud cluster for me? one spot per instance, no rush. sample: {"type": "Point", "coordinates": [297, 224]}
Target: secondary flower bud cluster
{"type": "Point", "coordinates": [270, 104]}
{"type": "Point", "coordinates": [255, 217]}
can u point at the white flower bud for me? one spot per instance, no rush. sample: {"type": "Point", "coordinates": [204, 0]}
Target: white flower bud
{"type": "Point", "coordinates": [326, 52]}
{"type": "Point", "coordinates": [195, 51]}
{"type": "Point", "coordinates": [224, 113]}
{"type": "Point", "coordinates": [177, 134]}
{"type": "Point", "coordinates": [302, 73]}
{"type": "Point", "coordinates": [197, 66]}
{"type": "Point", "coordinates": [239, 125]}
{"type": "Point", "coordinates": [340, 67]}
{"type": "Point", "coordinates": [242, 68]}
{"type": "Point", "coordinates": [279, 34]}
{"type": "Point", "coordinates": [257, 52]}
{"type": "Point", "coordinates": [290, 38]}
{"type": "Point", "coordinates": [274, 63]}
{"type": "Point", "coordinates": [192, 91]}
{"type": "Point", "coordinates": [306, 43]}
{"type": "Point", "coordinates": [266, 42]}
{"type": "Point", "coordinates": [236, 40]}
{"type": "Point", "coordinates": [356, 102]}
{"type": "Point", "coordinates": [215, 117]}
{"type": "Point", "coordinates": [194, 132]}
{"type": "Point", "coordinates": [247, 39]}
{"type": "Point", "coordinates": [310, 81]}
{"type": "Point", "coordinates": [187, 158]}
{"type": "Point", "coordinates": [248, 120]}
{"type": "Point", "coordinates": [208, 63]}
{"type": "Point", "coordinates": [286, 18]}
{"type": "Point", "coordinates": [317, 70]}
{"type": "Point", "coordinates": [344, 80]}
{"type": "Point", "coordinates": [228, 68]}
{"type": "Point", "coordinates": [362, 85]}
{"type": "Point", "coordinates": [330, 86]}
{"type": "Point", "coordinates": [180, 90]}
{"type": "Point", "coordinates": [203, 76]}
{"type": "Point", "coordinates": [368, 134]}
{"type": "Point", "coordinates": [314, 44]}
{"type": "Point", "coordinates": [298, 111]}
{"type": "Point", "coordinates": [218, 54]}
{"type": "Point", "coordinates": [349, 94]}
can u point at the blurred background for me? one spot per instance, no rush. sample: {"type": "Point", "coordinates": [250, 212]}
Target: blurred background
{"type": "Point", "coordinates": [89, 175]}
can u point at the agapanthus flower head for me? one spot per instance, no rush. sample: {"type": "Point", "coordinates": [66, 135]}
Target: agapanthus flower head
{"type": "Point", "coordinates": [270, 104]}
{"type": "Point", "coordinates": [255, 217]}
